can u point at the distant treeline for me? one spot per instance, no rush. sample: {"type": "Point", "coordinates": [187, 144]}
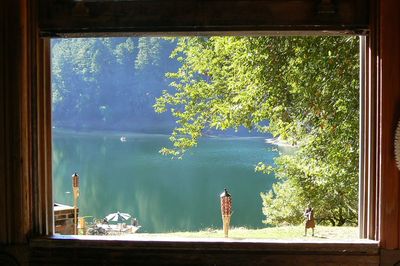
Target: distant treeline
{"type": "Point", "coordinates": [110, 83]}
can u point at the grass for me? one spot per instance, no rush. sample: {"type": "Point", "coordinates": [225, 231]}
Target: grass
{"type": "Point", "coordinates": [273, 233]}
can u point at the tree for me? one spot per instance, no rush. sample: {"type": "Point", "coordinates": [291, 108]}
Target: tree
{"type": "Point", "coordinates": [109, 83]}
{"type": "Point", "coordinates": [303, 90]}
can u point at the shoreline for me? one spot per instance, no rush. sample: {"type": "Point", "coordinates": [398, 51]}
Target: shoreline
{"type": "Point", "coordinates": [126, 134]}
{"type": "Point", "coordinates": [279, 142]}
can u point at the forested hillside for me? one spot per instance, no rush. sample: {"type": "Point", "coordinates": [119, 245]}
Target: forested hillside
{"type": "Point", "coordinates": [110, 83]}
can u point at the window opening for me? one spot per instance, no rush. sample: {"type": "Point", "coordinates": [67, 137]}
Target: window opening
{"type": "Point", "coordinates": [155, 163]}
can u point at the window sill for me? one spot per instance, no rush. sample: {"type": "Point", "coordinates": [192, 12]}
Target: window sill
{"type": "Point", "coordinates": [189, 251]}
{"type": "Point", "coordinates": [136, 241]}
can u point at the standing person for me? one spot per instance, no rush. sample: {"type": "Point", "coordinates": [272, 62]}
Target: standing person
{"type": "Point", "coordinates": [310, 222]}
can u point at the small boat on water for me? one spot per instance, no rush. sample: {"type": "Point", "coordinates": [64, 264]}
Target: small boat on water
{"type": "Point", "coordinates": [123, 139]}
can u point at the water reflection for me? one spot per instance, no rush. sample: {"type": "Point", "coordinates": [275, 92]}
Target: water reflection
{"type": "Point", "coordinates": [165, 195]}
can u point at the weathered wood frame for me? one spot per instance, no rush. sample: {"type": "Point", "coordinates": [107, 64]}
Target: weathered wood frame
{"type": "Point", "coordinates": [60, 17]}
{"type": "Point", "coordinates": [26, 159]}
{"type": "Point", "coordinates": [177, 17]}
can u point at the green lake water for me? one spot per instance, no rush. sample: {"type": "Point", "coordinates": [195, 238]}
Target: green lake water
{"type": "Point", "coordinates": [163, 194]}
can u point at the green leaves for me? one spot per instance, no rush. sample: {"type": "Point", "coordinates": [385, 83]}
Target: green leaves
{"type": "Point", "coordinates": [301, 89]}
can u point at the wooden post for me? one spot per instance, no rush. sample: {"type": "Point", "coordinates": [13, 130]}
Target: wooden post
{"type": "Point", "coordinates": [75, 186]}
{"type": "Point", "coordinates": [75, 212]}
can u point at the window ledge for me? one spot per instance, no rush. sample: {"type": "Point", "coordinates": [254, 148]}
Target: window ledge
{"type": "Point", "coordinates": [359, 246]}
{"type": "Point", "coordinates": [84, 250]}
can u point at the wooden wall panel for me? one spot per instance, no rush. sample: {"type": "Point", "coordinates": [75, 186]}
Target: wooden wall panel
{"type": "Point", "coordinates": [18, 72]}
{"type": "Point", "coordinates": [390, 114]}
{"type": "Point", "coordinates": [92, 252]}
{"type": "Point", "coordinates": [3, 153]}
{"type": "Point", "coordinates": [13, 194]}
{"type": "Point", "coordinates": [21, 181]}
{"type": "Point", "coordinates": [60, 17]}
{"type": "Point", "coordinates": [22, 64]}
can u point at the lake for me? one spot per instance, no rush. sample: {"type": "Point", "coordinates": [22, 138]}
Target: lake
{"type": "Point", "coordinates": [164, 194]}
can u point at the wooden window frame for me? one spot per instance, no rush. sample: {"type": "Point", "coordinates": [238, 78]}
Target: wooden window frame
{"type": "Point", "coordinates": [380, 213]}
{"type": "Point", "coordinates": [72, 18]}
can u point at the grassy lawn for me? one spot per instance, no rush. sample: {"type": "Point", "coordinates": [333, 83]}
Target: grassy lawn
{"type": "Point", "coordinates": [278, 233]}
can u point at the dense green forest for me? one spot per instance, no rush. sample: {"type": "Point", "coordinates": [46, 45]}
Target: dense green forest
{"type": "Point", "coordinates": [304, 90]}
{"type": "Point", "coordinates": [110, 83]}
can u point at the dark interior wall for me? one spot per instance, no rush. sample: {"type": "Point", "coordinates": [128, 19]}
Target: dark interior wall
{"type": "Point", "coordinates": [14, 197]}
{"type": "Point", "coordinates": [15, 204]}
{"type": "Point", "coordinates": [17, 222]}
{"type": "Point", "coordinates": [389, 59]}
{"type": "Point", "coordinates": [60, 18]}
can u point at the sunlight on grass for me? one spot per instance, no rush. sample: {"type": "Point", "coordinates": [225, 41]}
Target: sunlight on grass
{"type": "Point", "coordinates": [284, 232]}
